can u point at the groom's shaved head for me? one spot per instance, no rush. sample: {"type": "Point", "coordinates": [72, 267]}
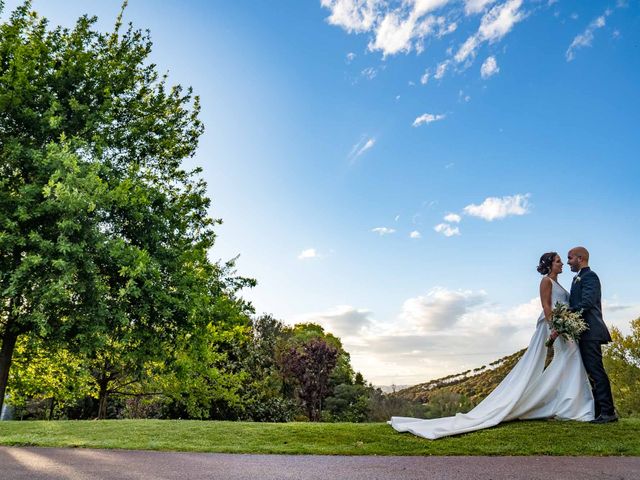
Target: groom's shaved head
{"type": "Point", "coordinates": [580, 252]}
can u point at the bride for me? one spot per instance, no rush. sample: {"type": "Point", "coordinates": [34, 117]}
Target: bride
{"type": "Point", "coordinates": [529, 391]}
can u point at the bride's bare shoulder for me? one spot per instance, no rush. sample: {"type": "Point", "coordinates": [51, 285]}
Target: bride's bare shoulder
{"type": "Point", "coordinates": [545, 281]}
{"type": "Point", "coordinates": [546, 285]}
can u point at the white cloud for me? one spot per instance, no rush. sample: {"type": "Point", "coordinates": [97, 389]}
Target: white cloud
{"type": "Point", "coordinates": [308, 253]}
{"type": "Point", "coordinates": [452, 218]}
{"type": "Point", "coordinates": [342, 320]}
{"type": "Point", "coordinates": [467, 49]}
{"type": "Point", "coordinates": [444, 28]}
{"type": "Point", "coordinates": [489, 67]}
{"type": "Point", "coordinates": [352, 15]}
{"type": "Point", "coordinates": [350, 57]}
{"type": "Point", "coordinates": [447, 230]}
{"type": "Point", "coordinates": [438, 333]}
{"type": "Point", "coordinates": [404, 27]}
{"type": "Point", "coordinates": [585, 38]}
{"type": "Point", "coordinates": [496, 208]}
{"type": "Point", "coordinates": [476, 6]}
{"type": "Point", "coordinates": [439, 308]}
{"type": "Point", "coordinates": [427, 118]}
{"type": "Point", "coordinates": [370, 143]}
{"type": "Point", "coordinates": [383, 231]}
{"type": "Point", "coordinates": [393, 35]}
{"type": "Point", "coordinates": [441, 69]}
{"type": "Point", "coordinates": [500, 20]}
{"type": "Point", "coordinates": [619, 315]}
{"type": "Point", "coordinates": [442, 332]}
{"type": "Point", "coordinates": [495, 24]}
{"type": "Point", "coordinates": [359, 148]}
{"type": "Point", "coordinates": [415, 234]}
{"type": "Point", "coordinates": [397, 27]}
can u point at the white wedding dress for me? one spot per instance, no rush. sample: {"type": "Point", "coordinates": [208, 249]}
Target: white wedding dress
{"type": "Point", "coordinates": [528, 392]}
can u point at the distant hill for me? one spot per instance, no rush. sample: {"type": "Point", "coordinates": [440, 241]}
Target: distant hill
{"type": "Point", "coordinates": [474, 384]}
{"type": "Point", "coordinates": [391, 388]}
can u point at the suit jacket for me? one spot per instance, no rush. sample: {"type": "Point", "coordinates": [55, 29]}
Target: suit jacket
{"type": "Point", "coordinates": [586, 295]}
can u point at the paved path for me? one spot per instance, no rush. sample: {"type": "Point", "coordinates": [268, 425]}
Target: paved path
{"type": "Point", "coordinates": [86, 464]}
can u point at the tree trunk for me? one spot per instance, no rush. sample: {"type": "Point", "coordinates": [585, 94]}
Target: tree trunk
{"type": "Point", "coordinates": [51, 406]}
{"type": "Point", "coordinates": [6, 355]}
{"type": "Point", "coordinates": [102, 399]}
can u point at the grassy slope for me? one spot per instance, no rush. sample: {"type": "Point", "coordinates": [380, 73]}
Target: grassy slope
{"type": "Point", "coordinates": [473, 384]}
{"type": "Point", "coordinates": [516, 438]}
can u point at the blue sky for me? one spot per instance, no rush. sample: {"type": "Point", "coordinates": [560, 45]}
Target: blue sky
{"type": "Point", "coordinates": [393, 170]}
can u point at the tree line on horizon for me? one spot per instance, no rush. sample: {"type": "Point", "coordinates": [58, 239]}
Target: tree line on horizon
{"type": "Point", "coordinates": [110, 306]}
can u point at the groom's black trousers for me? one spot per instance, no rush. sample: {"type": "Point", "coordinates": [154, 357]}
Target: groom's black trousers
{"type": "Point", "coordinates": [591, 353]}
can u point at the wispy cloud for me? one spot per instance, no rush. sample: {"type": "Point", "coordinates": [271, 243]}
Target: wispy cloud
{"type": "Point", "coordinates": [476, 6]}
{"type": "Point", "coordinates": [489, 67]}
{"type": "Point", "coordinates": [427, 118]}
{"type": "Point", "coordinates": [359, 148]}
{"type": "Point", "coordinates": [369, 73]}
{"type": "Point", "coordinates": [441, 70]}
{"type": "Point", "coordinates": [447, 230]}
{"type": "Point", "coordinates": [452, 218]}
{"type": "Point", "coordinates": [495, 24]}
{"type": "Point", "coordinates": [308, 253]}
{"type": "Point", "coordinates": [383, 230]}
{"type": "Point", "coordinates": [494, 208]}
{"type": "Point", "coordinates": [586, 38]}
{"type": "Point", "coordinates": [415, 234]}
{"type": "Point", "coordinates": [350, 57]}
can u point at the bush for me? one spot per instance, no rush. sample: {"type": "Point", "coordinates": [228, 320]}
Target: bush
{"type": "Point", "coordinates": [349, 403]}
{"type": "Point", "coordinates": [381, 407]}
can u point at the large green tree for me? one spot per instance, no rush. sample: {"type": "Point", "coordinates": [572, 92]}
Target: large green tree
{"type": "Point", "coordinates": [622, 361]}
{"type": "Point", "coordinates": [103, 233]}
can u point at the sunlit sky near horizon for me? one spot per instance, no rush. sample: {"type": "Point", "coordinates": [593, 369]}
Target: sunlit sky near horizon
{"type": "Point", "coordinates": [393, 170]}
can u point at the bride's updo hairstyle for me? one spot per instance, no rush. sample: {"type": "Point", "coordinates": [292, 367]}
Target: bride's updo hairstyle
{"type": "Point", "coordinates": [544, 267]}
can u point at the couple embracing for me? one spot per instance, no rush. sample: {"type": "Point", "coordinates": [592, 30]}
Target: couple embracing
{"type": "Point", "coordinates": [574, 386]}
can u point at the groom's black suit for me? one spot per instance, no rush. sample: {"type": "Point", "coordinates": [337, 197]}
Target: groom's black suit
{"type": "Point", "coordinates": [586, 295]}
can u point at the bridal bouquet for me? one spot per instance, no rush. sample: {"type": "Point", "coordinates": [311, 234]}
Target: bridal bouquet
{"type": "Point", "coordinates": [568, 324]}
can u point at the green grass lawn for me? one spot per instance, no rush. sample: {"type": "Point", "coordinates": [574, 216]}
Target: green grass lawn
{"type": "Point", "coordinates": [516, 438]}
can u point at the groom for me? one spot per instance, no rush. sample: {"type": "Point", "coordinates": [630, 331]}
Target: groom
{"type": "Point", "coordinates": [586, 296]}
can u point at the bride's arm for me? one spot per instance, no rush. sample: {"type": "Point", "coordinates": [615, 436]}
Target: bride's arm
{"type": "Point", "coordinates": [545, 297]}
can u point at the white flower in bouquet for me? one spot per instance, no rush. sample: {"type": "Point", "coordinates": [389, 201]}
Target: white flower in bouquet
{"type": "Point", "coordinates": [568, 325]}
